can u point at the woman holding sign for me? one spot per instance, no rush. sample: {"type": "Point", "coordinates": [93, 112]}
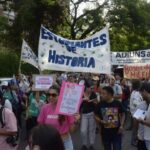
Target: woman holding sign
{"type": "Point", "coordinates": [64, 124]}
{"type": "Point", "coordinates": [88, 124]}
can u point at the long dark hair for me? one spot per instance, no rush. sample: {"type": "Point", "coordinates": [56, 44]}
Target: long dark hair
{"type": "Point", "coordinates": [46, 137]}
{"type": "Point", "coordinates": [136, 84]}
{"type": "Point", "coordinates": [61, 118]}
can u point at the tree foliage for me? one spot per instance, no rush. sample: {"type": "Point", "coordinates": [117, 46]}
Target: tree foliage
{"type": "Point", "coordinates": [128, 21]}
{"type": "Point", "coordinates": [129, 25]}
{"type": "Point", "coordinates": [31, 14]}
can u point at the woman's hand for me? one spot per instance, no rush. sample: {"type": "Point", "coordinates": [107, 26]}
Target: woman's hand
{"type": "Point", "coordinates": [77, 117]}
{"type": "Point", "coordinates": [121, 130]}
{"type": "Point", "coordinates": [86, 99]}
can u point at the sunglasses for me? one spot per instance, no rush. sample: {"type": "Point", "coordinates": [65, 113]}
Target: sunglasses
{"type": "Point", "coordinates": [52, 94]}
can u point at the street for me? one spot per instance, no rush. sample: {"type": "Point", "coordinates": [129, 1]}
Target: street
{"type": "Point", "coordinates": [77, 141]}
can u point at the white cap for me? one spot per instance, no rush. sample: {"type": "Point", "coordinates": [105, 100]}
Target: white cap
{"type": "Point", "coordinates": [4, 83]}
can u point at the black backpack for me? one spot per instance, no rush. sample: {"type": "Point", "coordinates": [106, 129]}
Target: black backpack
{"type": "Point", "coordinates": [15, 104]}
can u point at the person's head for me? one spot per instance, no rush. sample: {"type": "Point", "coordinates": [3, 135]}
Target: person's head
{"type": "Point", "coordinates": [95, 80]}
{"type": "Point", "coordinates": [18, 77]}
{"type": "Point", "coordinates": [136, 84]}
{"type": "Point", "coordinates": [72, 78]}
{"type": "Point", "coordinates": [117, 76]}
{"type": "Point", "coordinates": [123, 81]}
{"type": "Point", "coordinates": [5, 85]}
{"type": "Point", "coordinates": [112, 81]}
{"type": "Point", "coordinates": [88, 87]}
{"type": "Point", "coordinates": [107, 93]}
{"type": "Point", "coordinates": [145, 91]}
{"type": "Point", "coordinates": [53, 94]}
{"type": "Point", "coordinates": [45, 137]}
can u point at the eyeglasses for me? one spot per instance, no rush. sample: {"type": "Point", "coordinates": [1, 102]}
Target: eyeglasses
{"type": "Point", "coordinates": [52, 94]}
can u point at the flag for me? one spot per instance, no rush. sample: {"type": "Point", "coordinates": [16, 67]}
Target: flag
{"type": "Point", "coordinates": [28, 56]}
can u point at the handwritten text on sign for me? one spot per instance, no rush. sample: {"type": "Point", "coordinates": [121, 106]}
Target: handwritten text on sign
{"type": "Point", "coordinates": [70, 98]}
{"type": "Point", "coordinates": [137, 71]}
{"type": "Point", "coordinates": [43, 82]}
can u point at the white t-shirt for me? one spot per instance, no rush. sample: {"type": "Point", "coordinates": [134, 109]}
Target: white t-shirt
{"type": "Point", "coordinates": [10, 125]}
{"type": "Point", "coordinates": [142, 106]}
{"type": "Point", "coordinates": [135, 100]}
{"type": "Point", "coordinates": [8, 104]}
{"type": "Point", "coordinates": [146, 128]}
{"type": "Point", "coordinates": [117, 90]}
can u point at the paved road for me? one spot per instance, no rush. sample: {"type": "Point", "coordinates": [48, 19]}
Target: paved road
{"type": "Point", "coordinates": [77, 141]}
{"type": "Point", "coordinates": [126, 141]}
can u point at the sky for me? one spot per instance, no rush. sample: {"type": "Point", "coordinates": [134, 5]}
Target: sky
{"type": "Point", "coordinates": [89, 5]}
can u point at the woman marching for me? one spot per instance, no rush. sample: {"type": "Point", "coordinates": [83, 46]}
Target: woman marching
{"type": "Point", "coordinates": [64, 124]}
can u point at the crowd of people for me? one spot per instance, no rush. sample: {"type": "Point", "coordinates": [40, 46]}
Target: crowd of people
{"type": "Point", "coordinates": [108, 105]}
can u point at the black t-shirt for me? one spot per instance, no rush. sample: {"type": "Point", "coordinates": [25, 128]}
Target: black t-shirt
{"type": "Point", "coordinates": [110, 112]}
{"type": "Point", "coordinates": [88, 107]}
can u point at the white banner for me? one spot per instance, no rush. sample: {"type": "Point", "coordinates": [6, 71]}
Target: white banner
{"type": "Point", "coordinates": [122, 58]}
{"type": "Point", "coordinates": [28, 56]}
{"type": "Point", "coordinates": [87, 55]}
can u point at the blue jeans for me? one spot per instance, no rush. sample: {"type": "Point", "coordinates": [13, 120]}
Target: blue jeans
{"type": "Point", "coordinates": [114, 140]}
{"type": "Point", "coordinates": [68, 143]}
{"type": "Point", "coordinates": [147, 144]}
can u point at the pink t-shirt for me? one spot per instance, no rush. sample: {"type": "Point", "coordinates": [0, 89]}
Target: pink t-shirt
{"type": "Point", "coordinates": [10, 125]}
{"type": "Point", "coordinates": [48, 116]}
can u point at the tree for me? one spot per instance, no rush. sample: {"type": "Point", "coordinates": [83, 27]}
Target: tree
{"type": "Point", "coordinates": [31, 14]}
{"type": "Point", "coordinates": [128, 21]}
{"type": "Point", "coordinates": [129, 25]}
{"type": "Point", "coordinates": [82, 24]}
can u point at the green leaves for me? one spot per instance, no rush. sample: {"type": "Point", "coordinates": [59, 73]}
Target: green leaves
{"type": "Point", "coordinates": [129, 24]}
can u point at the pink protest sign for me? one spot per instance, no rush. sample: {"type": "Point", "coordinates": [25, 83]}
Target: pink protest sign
{"type": "Point", "coordinates": [70, 98]}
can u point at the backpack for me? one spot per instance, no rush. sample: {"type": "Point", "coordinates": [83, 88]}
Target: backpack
{"type": "Point", "coordinates": [15, 104]}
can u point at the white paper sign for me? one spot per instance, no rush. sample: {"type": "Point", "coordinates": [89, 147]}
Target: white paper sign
{"type": "Point", "coordinates": [70, 98]}
{"type": "Point", "coordinates": [139, 114]}
{"type": "Point", "coordinates": [87, 55]}
{"type": "Point", "coordinates": [43, 82]}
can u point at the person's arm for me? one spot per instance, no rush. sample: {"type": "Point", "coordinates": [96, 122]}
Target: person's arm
{"type": "Point", "coordinates": [145, 122]}
{"type": "Point", "coordinates": [74, 122]}
{"type": "Point", "coordinates": [119, 96]}
{"type": "Point", "coordinates": [102, 122]}
{"type": "Point", "coordinates": [122, 119]}
{"type": "Point", "coordinates": [7, 133]}
{"type": "Point", "coordinates": [94, 98]}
